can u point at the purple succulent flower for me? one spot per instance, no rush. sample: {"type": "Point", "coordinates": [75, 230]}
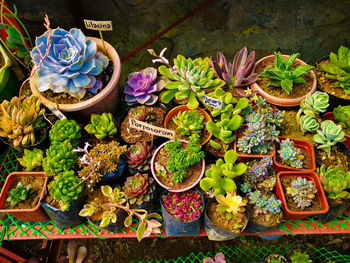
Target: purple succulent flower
{"type": "Point", "coordinates": [141, 86]}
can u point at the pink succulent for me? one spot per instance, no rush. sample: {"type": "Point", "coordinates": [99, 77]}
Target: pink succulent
{"type": "Point", "coordinates": [138, 155]}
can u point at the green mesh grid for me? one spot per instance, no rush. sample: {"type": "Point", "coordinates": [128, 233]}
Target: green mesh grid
{"type": "Point", "coordinates": [258, 254]}
{"type": "Point", "coordinates": [12, 227]}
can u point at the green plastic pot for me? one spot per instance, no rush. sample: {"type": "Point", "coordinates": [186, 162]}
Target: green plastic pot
{"type": "Point", "coordinates": [8, 78]}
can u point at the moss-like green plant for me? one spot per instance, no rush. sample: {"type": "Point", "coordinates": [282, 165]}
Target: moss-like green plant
{"type": "Point", "coordinates": [59, 158]}
{"type": "Point", "coordinates": [300, 257]}
{"type": "Point", "coordinates": [101, 125]}
{"type": "Point", "coordinates": [20, 193]}
{"type": "Point", "coordinates": [65, 130]}
{"type": "Point", "coordinates": [335, 181]}
{"type": "Point", "coordinates": [32, 159]}
{"type": "Point", "coordinates": [189, 122]}
{"type": "Point", "coordinates": [66, 188]}
{"type": "Point", "coordinates": [219, 178]}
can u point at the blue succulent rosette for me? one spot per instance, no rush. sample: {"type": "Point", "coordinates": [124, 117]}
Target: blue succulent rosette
{"type": "Point", "coordinates": [71, 65]}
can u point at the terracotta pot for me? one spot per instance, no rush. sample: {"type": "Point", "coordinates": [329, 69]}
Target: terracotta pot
{"type": "Point", "coordinates": [306, 146]}
{"type": "Point", "coordinates": [181, 108]}
{"type": "Point", "coordinates": [298, 215]}
{"type": "Point", "coordinates": [279, 101]}
{"type": "Point", "coordinates": [105, 101]}
{"type": "Point", "coordinates": [329, 116]}
{"type": "Point", "coordinates": [167, 187]}
{"type": "Point", "coordinates": [35, 214]}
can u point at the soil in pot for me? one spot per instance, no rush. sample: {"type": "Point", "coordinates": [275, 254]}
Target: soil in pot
{"type": "Point", "coordinates": [306, 160]}
{"type": "Point", "coordinates": [220, 220]}
{"type": "Point", "coordinates": [216, 152]}
{"type": "Point", "coordinates": [193, 173]}
{"type": "Point", "coordinates": [131, 135]}
{"type": "Point", "coordinates": [36, 184]}
{"type": "Point", "coordinates": [328, 85]}
{"type": "Point", "coordinates": [65, 98]}
{"type": "Point", "coordinates": [298, 91]}
{"type": "Point", "coordinates": [286, 182]}
{"type": "Point", "coordinates": [266, 184]}
{"type": "Point", "coordinates": [290, 127]}
{"type": "Point", "coordinates": [337, 157]}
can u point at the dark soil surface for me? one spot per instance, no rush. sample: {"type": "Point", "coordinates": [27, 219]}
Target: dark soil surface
{"type": "Point", "coordinates": [306, 160]}
{"type": "Point", "coordinates": [337, 157]}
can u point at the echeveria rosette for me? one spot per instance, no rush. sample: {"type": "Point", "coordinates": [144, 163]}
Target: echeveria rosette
{"type": "Point", "coordinates": [141, 86]}
{"type": "Point", "coordinates": [71, 65]}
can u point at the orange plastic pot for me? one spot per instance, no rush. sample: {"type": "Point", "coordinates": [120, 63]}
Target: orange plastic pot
{"type": "Point", "coordinates": [181, 108]}
{"type": "Point", "coordinates": [329, 116]}
{"type": "Point", "coordinates": [298, 215]}
{"type": "Point", "coordinates": [279, 101]}
{"type": "Point", "coordinates": [35, 214]}
{"type": "Point", "coordinates": [306, 146]}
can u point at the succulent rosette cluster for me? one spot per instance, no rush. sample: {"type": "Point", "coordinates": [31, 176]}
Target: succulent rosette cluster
{"type": "Point", "coordinates": [185, 206]}
{"type": "Point", "coordinates": [142, 86]}
{"type": "Point", "coordinates": [137, 188]}
{"type": "Point", "coordinates": [139, 155]}
{"type": "Point", "coordinates": [71, 65]}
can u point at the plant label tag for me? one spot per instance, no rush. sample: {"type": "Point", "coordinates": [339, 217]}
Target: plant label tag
{"type": "Point", "coordinates": [155, 130]}
{"type": "Point", "coordinates": [55, 111]}
{"type": "Point", "coordinates": [212, 102]}
{"type": "Point", "coordinates": [98, 25]}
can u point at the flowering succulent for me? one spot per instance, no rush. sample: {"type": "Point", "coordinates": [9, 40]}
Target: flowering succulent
{"type": "Point", "coordinates": [31, 159]}
{"type": "Point", "coordinates": [102, 125]}
{"type": "Point", "coordinates": [59, 158]}
{"type": "Point", "coordinates": [335, 181]}
{"type": "Point", "coordinates": [71, 65]}
{"type": "Point", "coordinates": [184, 206]}
{"type": "Point", "coordinates": [338, 68]}
{"type": "Point", "coordinates": [66, 188]}
{"type": "Point", "coordinates": [282, 73]}
{"type": "Point", "coordinates": [139, 155]}
{"type": "Point", "coordinates": [219, 258]}
{"type": "Point", "coordinates": [262, 123]}
{"type": "Point", "coordinates": [189, 122]}
{"type": "Point", "coordinates": [65, 130]}
{"type": "Point", "coordinates": [20, 120]}
{"type": "Point", "coordinates": [189, 79]}
{"type": "Point", "coordinates": [329, 135]}
{"type": "Point", "coordinates": [143, 113]}
{"type": "Point", "coordinates": [231, 205]}
{"type": "Point", "coordinates": [138, 188]}
{"type": "Point", "coordinates": [308, 124]}
{"type": "Point", "coordinates": [260, 170]}
{"type": "Point", "coordinates": [220, 175]}
{"type": "Point", "coordinates": [300, 257]}
{"type": "Point", "coordinates": [20, 193]}
{"type": "Point", "coordinates": [141, 87]}
{"type": "Point", "coordinates": [240, 72]}
{"type": "Point", "coordinates": [342, 115]}
{"type": "Point", "coordinates": [302, 191]}
{"type": "Point", "coordinates": [290, 154]}
{"type": "Point", "coordinates": [263, 204]}
{"type": "Point", "coordinates": [148, 223]}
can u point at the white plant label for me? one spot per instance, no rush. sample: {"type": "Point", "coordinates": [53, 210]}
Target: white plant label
{"type": "Point", "coordinates": [55, 111]}
{"type": "Point", "coordinates": [155, 130]}
{"type": "Point", "coordinates": [212, 102]}
{"type": "Point", "coordinates": [98, 25]}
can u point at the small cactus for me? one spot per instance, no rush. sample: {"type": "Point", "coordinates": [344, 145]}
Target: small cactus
{"type": "Point", "coordinates": [101, 126]}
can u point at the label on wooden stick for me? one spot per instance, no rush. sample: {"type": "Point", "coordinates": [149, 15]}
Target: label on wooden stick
{"type": "Point", "coordinates": [155, 130]}
{"type": "Point", "coordinates": [55, 111]}
{"type": "Point", "coordinates": [212, 102]}
{"type": "Point", "coordinates": [98, 25]}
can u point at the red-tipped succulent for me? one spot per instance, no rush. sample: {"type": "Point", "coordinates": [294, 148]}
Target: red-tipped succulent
{"type": "Point", "coordinates": [139, 155]}
{"type": "Point", "coordinates": [138, 188]}
{"type": "Point", "coordinates": [239, 73]}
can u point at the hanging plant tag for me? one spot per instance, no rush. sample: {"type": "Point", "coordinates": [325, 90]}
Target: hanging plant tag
{"type": "Point", "coordinates": [98, 25]}
{"type": "Point", "coordinates": [212, 102]}
{"type": "Point", "coordinates": [155, 130]}
{"type": "Point", "coordinates": [57, 112]}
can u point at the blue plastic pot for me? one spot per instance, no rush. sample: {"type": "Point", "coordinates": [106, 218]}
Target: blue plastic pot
{"type": "Point", "coordinates": [66, 219]}
{"type": "Point", "coordinates": [174, 227]}
{"type": "Point", "coordinates": [112, 227]}
{"type": "Point", "coordinates": [116, 177]}
{"type": "Point", "coordinates": [270, 237]}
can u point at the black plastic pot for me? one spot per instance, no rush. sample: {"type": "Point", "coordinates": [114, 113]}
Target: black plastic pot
{"type": "Point", "coordinates": [112, 227]}
{"type": "Point", "coordinates": [335, 210]}
{"type": "Point", "coordinates": [66, 219]}
{"type": "Point", "coordinates": [116, 177]}
{"type": "Point", "coordinates": [174, 227]}
{"type": "Point", "coordinates": [342, 147]}
{"type": "Point", "coordinates": [253, 228]}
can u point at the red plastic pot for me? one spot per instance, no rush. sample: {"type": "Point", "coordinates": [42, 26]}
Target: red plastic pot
{"type": "Point", "coordinates": [308, 147]}
{"type": "Point", "coordinates": [35, 214]}
{"type": "Point", "coordinates": [298, 215]}
{"type": "Point", "coordinates": [329, 116]}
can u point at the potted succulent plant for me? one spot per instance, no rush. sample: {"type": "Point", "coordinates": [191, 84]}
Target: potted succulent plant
{"type": "Point", "coordinates": [75, 254]}
{"type": "Point", "coordinates": [219, 258]}
{"type": "Point", "coordinates": [106, 209]}
{"type": "Point", "coordinates": [102, 126]}
{"type": "Point", "coordinates": [65, 130]}
{"type": "Point", "coordinates": [182, 212]}
{"type": "Point", "coordinates": [187, 122]}
{"type": "Point", "coordinates": [275, 258]}
{"type": "Point", "coordinates": [74, 71]}
{"type": "Point", "coordinates": [21, 196]}
{"type": "Point", "coordinates": [301, 194]}
{"type": "Point", "coordinates": [265, 212]}
{"type": "Point", "coordinates": [178, 165]}
{"type": "Point", "coordinates": [333, 76]}
{"type": "Point", "coordinates": [299, 256]}
{"type": "Point", "coordinates": [151, 115]}
{"type": "Point", "coordinates": [294, 155]}
{"type": "Point", "coordinates": [224, 218]}
{"type": "Point", "coordinates": [336, 184]}
{"type": "Point", "coordinates": [138, 157]}
{"type": "Point", "coordinates": [32, 160]}
{"type": "Point", "coordinates": [64, 200]}
{"type": "Point", "coordinates": [284, 80]}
